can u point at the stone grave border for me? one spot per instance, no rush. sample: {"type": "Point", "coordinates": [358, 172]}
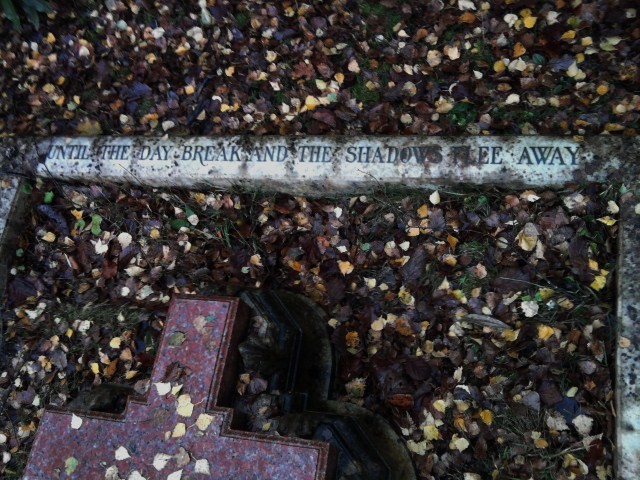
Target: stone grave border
{"type": "Point", "coordinates": [322, 165]}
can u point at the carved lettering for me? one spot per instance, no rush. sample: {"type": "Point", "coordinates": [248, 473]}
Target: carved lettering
{"type": "Point", "coordinates": [538, 156]}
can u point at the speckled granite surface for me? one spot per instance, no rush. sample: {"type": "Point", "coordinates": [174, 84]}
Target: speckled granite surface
{"type": "Point", "coordinates": [180, 413]}
{"type": "Point", "coordinates": [628, 353]}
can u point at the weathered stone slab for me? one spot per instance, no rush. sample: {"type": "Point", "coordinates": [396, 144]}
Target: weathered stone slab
{"type": "Point", "coordinates": [628, 353]}
{"type": "Point", "coordinates": [180, 430]}
{"type": "Point", "coordinates": [308, 164]}
{"type": "Point", "coordinates": [12, 206]}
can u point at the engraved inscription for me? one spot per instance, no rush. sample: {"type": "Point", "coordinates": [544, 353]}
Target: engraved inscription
{"type": "Point", "coordinates": [421, 154]}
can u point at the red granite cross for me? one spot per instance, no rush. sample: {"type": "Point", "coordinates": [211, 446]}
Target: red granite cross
{"type": "Point", "coordinates": [179, 431]}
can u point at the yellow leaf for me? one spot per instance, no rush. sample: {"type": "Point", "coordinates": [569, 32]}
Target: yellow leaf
{"type": "Point", "coordinates": [95, 368]}
{"type": "Point", "coordinates": [530, 22]}
{"type": "Point", "coordinates": [431, 432]}
{"type": "Point", "coordinates": [608, 221]}
{"type": "Point", "coordinates": [184, 406]}
{"type": "Point", "coordinates": [49, 237]}
{"type": "Point", "coordinates": [440, 405]}
{"type": "Point", "coordinates": [541, 443]}
{"type": "Point", "coordinates": [189, 89]}
{"type": "Point", "coordinates": [449, 259]}
{"type": "Point", "coordinates": [311, 102]}
{"type": "Point", "coordinates": [528, 237]}
{"type": "Point", "coordinates": [203, 421]}
{"type": "Point", "coordinates": [545, 293]}
{"type": "Point", "coordinates": [593, 265]}
{"type": "Point", "coordinates": [115, 342]}
{"type": "Point", "coordinates": [602, 89]}
{"type": "Point", "coordinates": [519, 50]}
{"type": "Point", "coordinates": [77, 214]}
{"type": "Point", "coordinates": [352, 340]}
{"type": "Point", "coordinates": [179, 430]}
{"type": "Point", "coordinates": [568, 35]}
{"type": "Point", "coordinates": [624, 342]}
{"type": "Point", "coordinates": [49, 88]}
{"type": "Point", "coordinates": [377, 325]}
{"type": "Point", "coordinates": [423, 211]}
{"type": "Point", "coordinates": [509, 335]}
{"type": "Point", "coordinates": [130, 374]}
{"type": "Point", "coordinates": [565, 303]}
{"type": "Point", "coordinates": [452, 241]}
{"type": "Point", "coordinates": [345, 267]}
{"type": "Point", "coordinates": [544, 332]}
{"type": "Point", "coordinates": [413, 232]}
{"type": "Point", "coordinates": [154, 233]}
{"type": "Point", "coordinates": [419, 448]}
{"type": "Point", "coordinates": [89, 127]}
{"type": "Point", "coordinates": [499, 66]}
{"type": "Point", "coordinates": [229, 71]}
{"type": "Point", "coordinates": [487, 416]}
{"type": "Point", "coordinates": [339, 78]}
{"type": "Point", "coordinates": [598, 282]}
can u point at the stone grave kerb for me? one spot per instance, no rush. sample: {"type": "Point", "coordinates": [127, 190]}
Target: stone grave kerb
{"type": "Point", "coordinates": [181, 427]}
{"type": "Point", "coordinates": [315, 165]}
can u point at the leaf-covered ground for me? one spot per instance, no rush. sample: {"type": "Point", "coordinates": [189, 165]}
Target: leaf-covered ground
{"type": "Point", "coordinates": [341, 66]}
{"type": "Point", "coordinates": [479, 324]}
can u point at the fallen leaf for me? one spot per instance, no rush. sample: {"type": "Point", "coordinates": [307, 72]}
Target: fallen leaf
{"type": "Point", "coordinates": [177, 475]}
{"type": "Point", "coordinates": [544, 332]}
{"type": "Point", "coordinates": [608, 221]}
{"type": "Point", "coordinates": [431, 432]}
{"type": "Point", "coordinates": [203, 421]}
{"type": "Point", "coordinates": [512, 99]}
{"type": "Point", "coordinates": [345, 267]}
{"type": "Point", "coordinates": [49, 237]}
{"type": "Point", "coordinates": [624, 342]}
{"type": "Point", "coordinates": [519, 50]}
{"type": "Point", "coordinates": [419, 448]}
{"type": "Point", "coordinates": [179, 430]}
{"type": "Point", "coordinates": [122, 453]}
{"type": "Point", "coordinates": [184, 405]}
{"type": "Point", "coordinates": [541, 443]}
{"type": "Point", "coordinates": [440, 405]}
{"type": "Point", "coordinates": [527, 238]}
{"type": "Point", "coordinates": [162, 388]}
{"type": "Point", "coordinates": [70, 465]}
{"type": "Point", "coordinates": [160, 460]}
{"type": "Point", "coordinates": [202, 467]}
{"type": "Point", "coordinates": [76, 422]}
{"type": "Point", "coordinates": [423, 211]}
{"type": "Point", "coordinates": [458, 443]}
{"type": "Point", "coordinates": [599, 282]}
{"type": "Point", "coordinates": [487, 416]}
{"type": "Point", "coordinates": [583, 424]}
{"type": "Point", "coordinates": [530, 308]}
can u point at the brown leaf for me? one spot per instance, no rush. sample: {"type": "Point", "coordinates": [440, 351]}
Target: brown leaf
{"type": "Point", "coordinates": [403, 401]}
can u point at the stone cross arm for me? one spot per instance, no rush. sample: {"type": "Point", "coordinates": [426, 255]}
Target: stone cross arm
{"type": "Point", "coordinates": [179, 431]}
